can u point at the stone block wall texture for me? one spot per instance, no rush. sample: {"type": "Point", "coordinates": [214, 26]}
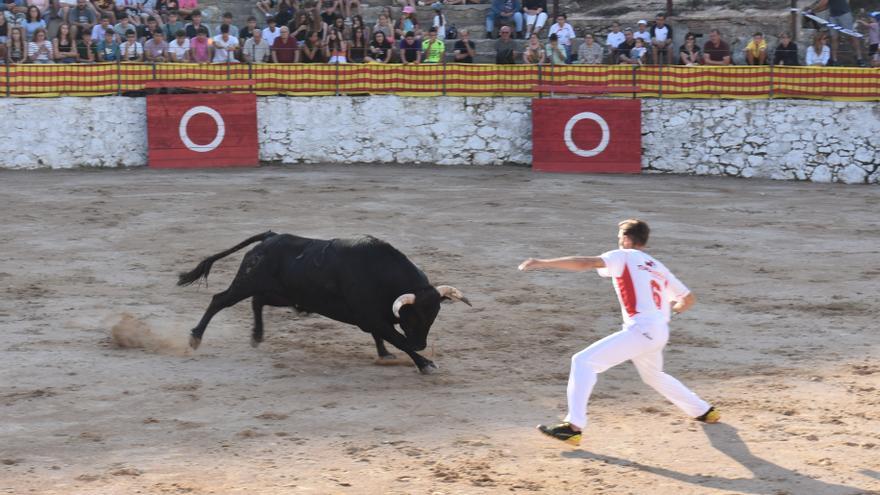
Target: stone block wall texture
{"type": "Point", "coordinates": [779, 139]}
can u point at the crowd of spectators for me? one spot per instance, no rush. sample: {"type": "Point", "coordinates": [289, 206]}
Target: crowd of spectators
{"type": "Point", "coordinates": [333, 31]}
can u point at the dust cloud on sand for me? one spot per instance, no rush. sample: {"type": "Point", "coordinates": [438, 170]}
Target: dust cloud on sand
{"type": "Point", "coordinates": [131, 332]}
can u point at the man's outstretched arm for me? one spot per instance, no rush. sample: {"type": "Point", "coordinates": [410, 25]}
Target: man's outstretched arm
{"type": "Point", "coordinates": [570, 263]}
{"type": "Point", "coordinates": [684, 304]}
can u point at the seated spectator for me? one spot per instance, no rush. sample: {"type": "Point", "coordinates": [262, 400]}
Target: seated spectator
{"type": "Point", "coordinates": [661, 40]}
{"type": "Point", "coordinates": [535, 12]}
{"type": "Point", "coordinates": [285, 12]}
{"type": "Point", "coordinates": [225, 46]}
{"type": "Point", "coordinates": [339, 26]}
{"type": "Point", "coordinates": [716, 51]}
{"type": "Point", "coordinates": [439, 20]}
{"type": "Point", "coordinates": [271, 31]}
{"type": "Point", "coordinates": [131, 49]}
{"type": "Point", "coordinates": [357, 47]}
{"type": "Point", "coordinates": [284, 47]}
{"type": "Point", "coordinates": [192, 29]}
{"type": "Point", "coordinates": [156, 48]}
{"type": "Point", "coordinates": [247, 32]}
{"type": "Point", "coordinates": [380, 48]}
{"type": "Point", "coordinates": [433, 48]}
{"type": "Point", "coordinates": [336, 48]}
{"type": "Point", "coordinates": [123, 28]}
{"type": "Point", "coordinates": [266, 6]}
{"type": "Point", "coordinates": [86, 49]}
{"type": "Point", "coordinates": [590, 52]}
{"type": "Point", "coordinates": [98, 30]}
{"type": "Point", "coordinates": [43, 6]}
{"type": "Point", "coordinates": [329, 10]}
{"type": "Point", "coordinates": [33, 22]}
{"type": "Point", "coordinates": [642, 32]}
{"type": "Point", "coordinates": [256, 50]}
{"type": "Point", "coordinates": [383, 24]}
{"type": "Point", "coordinates": [108, 48]}
{"type": "Point", "coordinates": [64, 46]}
{"type": "Point", "coordinates": [505, 48]}
{"type": "Point", "coordinates": [186, 8]}
{"type": "Point", "coordinates": [565, 34]}
{"type": "Point", "coordinates": [625, 47]}
{"type": "Point", "coordinates": [127, 9]}
{"type": "Point", "coordinates": [358, 22]}
{"type": "Point", "coordinates": [178, 49]}
{"type": "Point", "coordinates": [16, 47]}
{"type": "Point", "coordinates": [200, 49]}
{"type": "Point", "coordinates": [464, 50]}
{"type": "Point", "coordinates": [407, 23]}
{"type": "Point", "coordinates": [818, 54]}
{"type": "Point", "coordinates": [145, 31]}
{"type": "Point", "coordinates": [227, 20]}
{"type": "Point", "coordinates": [555, 52]}
{"type": "Point", "coordinates": [689, 53]}
{"type": "Point", "coordinates": [81, 17]}
{"type": "Point", "coordinates": [16, 8]}
{"type": "Point", "coordinates": [505, 11]}
{"type": "Point", "coordinates": [312, 51]}
{"type": "Point", "coordinates": [410, 49]}
{"type": "Point", "coordinates": [173, 25]}
{"type": "Point", "coordinates": [613, 40]}
{"type": "Point", "coordinates": [786, 52]}
{"type": "Point", "coordinates": [40, 49]}
{"type": "Point", "coordinates": [756, 50]}
{"type": "Point", "coordinates": [300, 27]}
{"type": "Point", "coordinates": [534, 53]}
{"type": "Point", "coordinates": [350, 8]}
{"type": "Point", "coordinates": [636, 55]}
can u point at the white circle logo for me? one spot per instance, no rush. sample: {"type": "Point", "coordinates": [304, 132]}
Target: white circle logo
{"type": "Point", "coordinates": [218, 119]}
{"type": "Point", "coordinates": [603, 143]}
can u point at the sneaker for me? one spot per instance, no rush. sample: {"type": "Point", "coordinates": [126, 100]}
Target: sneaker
{"type": "Point", "coordinates": [562, 431]}
{"type": "Point", "coordinates": [710, 416]}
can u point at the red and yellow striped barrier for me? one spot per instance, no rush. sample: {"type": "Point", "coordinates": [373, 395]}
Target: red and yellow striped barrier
{"type": "Point", "coordinates": [830, 83]}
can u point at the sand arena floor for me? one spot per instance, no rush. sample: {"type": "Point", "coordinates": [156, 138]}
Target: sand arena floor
{"type": "Point", "coordinates": [783, 340]}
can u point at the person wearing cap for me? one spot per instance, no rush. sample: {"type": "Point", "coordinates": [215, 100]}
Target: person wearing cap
{"type": "Point", "coordinates": [642, 32]}
{"type": "Point", "coordinates": [433, 48]}
{"type": "Point", "coordinates": [661, 39]}
{"type": "Point", "coordinates": [108, 49]}
{"type": "Point", "coordinates": [271, 31]}
{"type": "Point", "coordinates": [407, 23]}
{"type": "Point", "coordinates": [535, 16]}
{"type": "Point", "coordinates": [439, 20]}
{"type": "Point", "coordinates": [565, 34]}
{"type": "Point", "coordinates": [504, 10]}
{"type": "Point", "coordinates": [178, 49]}
{"type": "Point", "coordinates": [192, 29]}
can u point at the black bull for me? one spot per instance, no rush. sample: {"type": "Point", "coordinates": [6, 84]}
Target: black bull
{"type": "Point", "coordinates": [363, 282]}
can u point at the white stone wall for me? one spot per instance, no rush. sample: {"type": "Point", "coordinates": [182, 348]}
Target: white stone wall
{"type": "Point", "coordinates": [778, 139]}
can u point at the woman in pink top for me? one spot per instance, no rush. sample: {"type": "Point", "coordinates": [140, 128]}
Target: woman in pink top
{"type": "Point", "coordinates": [186, 7]}
{"type": "Point", "coordinates": [199, 48]}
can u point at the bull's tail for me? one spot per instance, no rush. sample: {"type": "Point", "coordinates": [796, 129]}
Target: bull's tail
{"type": "Point", "coordinates": [204, 267]}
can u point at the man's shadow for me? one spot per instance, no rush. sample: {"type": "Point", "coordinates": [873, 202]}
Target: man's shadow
{"type": "Point", "coordinates": [768, 478]}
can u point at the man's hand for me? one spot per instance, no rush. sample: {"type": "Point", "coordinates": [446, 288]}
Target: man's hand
{"type": "Point", "coordinates": [529, 264]}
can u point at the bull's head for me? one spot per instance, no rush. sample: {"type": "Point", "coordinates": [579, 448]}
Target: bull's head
{"type": "Point", "coordinates": [416, 312]}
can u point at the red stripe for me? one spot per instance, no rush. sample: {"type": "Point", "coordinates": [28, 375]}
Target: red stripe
{"type": "Point", "coordinates": [627, 291]}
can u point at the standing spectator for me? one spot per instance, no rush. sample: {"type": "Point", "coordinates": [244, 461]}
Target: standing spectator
{"type": "Point", "coordinates": [433, 48]}
{"type": "Point", "coordinates": [505, 10]}
{"type": "Point", "coordinates": [716, 51]}
{"type": "Point", "coordinates": [357, 47]}
{"type": "Point", "coordinates": [173, 25]}
{"type": "Point", "coordinates": [786, 52]}
{"type": "Point", "coordinates": [439, 20]}
{"type": "Point", "coordinates": [380, 48]}
{"type": "Point", "coordinates": [689, 53]}
{"type": "Point", "coordinates": [284, 47]}
{"type": "Point", "coordinates": [534, 53]}
{"type": "Point", "coordinates": [407, 23]}
{"type": "Point", "coordinates": [383, 24]}
{"type": "Point", "coordinates": [192, 29]}
{"type": "Point", "coordinates": [505, 48]}
{"type": "Point", "coordinates": [17, 48]}
{"type": "Point", "coordinates": [64, 46]}
{"type": "Point", "coordinates": [818, 54]}
{"type": "Point", "coordinates": [661, 40]}
{"type": "Point", "coordinates": [535, 16]}
{"type": "Point", "coordinates": [200, 49]}
{"type": "Point", "coordinates": [555, 53]}
{"type": "Point", "coordinates": [227, 20]}
{"type": "Point", "coordinates": [108, 48]}
{"type": "Point", "coordinates": [156, 48]}
{"type": "Point", "coordinates": [98, 30]}
{"type": "Point", "coordinates": [625, 47]}
{"type": "Point", "coordinates": [81, 17]}
{"type": "Point", "coordinates": [256, 50]}
{"type": "Point", "coordinates": [225, 46]}
{"type": "Point", "coordinates": [336, 48]}
{"type": "Point", "coordinates": [565, 34]}
{"type": "Point", "coordinates": [642, 32]}
{"type": "Point", "coordinates": [312, 51]}
{"type": "Point", "coordinates": [410, 49]}
{"type": "Point", "coordinates": [86, 49]}
{"type": "Point", "coordinates": [247, 32]}
{"type": "Point", "coordinates": [841, 15]}
{"type": "Point", "coordinates": [178, 49]}
{"type": "Point", "coordinates": [873, 25]}
{"type": "Point", "coordinates": [613, 40]}
{"type": "Point", "coordinates": [589, 52]}
{"type": "Point", "coordinates": [131, 49]}
{"type": "Point", "coordinates": [271, 32]}
{"type": "Point", "coordinates": [464, 49]}
{"type": "Point", "coordinates": [40, 49]}
{"type": "Point", "coordinates": [33, 22]}
{"type": "Point", "coordinates": [756, 50]}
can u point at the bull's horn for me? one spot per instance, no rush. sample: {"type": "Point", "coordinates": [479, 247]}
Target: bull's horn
{"type": "Point", "coordinates": [401, 302]}
{"type": "Point", "coordinates": [451, 292]}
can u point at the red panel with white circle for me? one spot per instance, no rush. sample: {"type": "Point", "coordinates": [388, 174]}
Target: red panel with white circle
{"type": "Point", "coordinates": [202, 130]}
{"type": "Point", "coordinates": [584, 135]}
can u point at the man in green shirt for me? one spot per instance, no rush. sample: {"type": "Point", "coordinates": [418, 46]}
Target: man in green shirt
{"type": "Point", "coordinates": [433, 48]}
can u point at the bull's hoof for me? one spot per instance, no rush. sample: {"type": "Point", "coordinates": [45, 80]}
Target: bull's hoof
{"type": "Point", "coordinates": [428, 369]}
{"type": "Point", "coordinates": [194, 342]}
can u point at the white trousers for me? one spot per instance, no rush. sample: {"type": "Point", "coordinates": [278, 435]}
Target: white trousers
{"type": "Point", "coordinates": [536, 20]}
{"type": "Point", "coordinates": [640, 342]}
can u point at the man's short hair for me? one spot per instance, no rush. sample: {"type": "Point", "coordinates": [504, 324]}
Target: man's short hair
{"type": "Point", "coordinates": [251, 18]}
{"type": "Point", "coordinates": [758, 33]}
{"type": "Point", "coordinates": [227, 15]}
{"type": "Point", "coordinates": [409, 34]}
{"type": "Point", "coordinates": [661, 15]}
{"type": "Point", "coordinates": [224, 28]}
{"type": "Point", "coordinates": [637, 231]}
{"type": "Point", "coordinates": [713, 30]}
{"type": "Point", "coordinates": [180, 33]}
{"type": "Point", "coordinates": [433, 29]}
{"type": "Point", "coordinates": [202, 30]}
{"type": "Point", "coordinates": [561, 14]}
{"type": "Point", "coordinates": [553, 37]}
{"type": "Point", "coordinates": [195, 13]}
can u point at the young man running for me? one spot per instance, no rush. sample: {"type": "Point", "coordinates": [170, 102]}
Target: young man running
{"type": "Point", "coordinates": [648, 292]}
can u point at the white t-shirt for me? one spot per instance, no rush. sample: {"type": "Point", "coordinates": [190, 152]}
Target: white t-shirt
{"type": "Point", "coordinates": [645, 35]}
{"type": "Point", "coordinates": [179, 50]}
{"type": "Point", "coordinates": [660, 33]}
{"type": "Point", "coordinates": [615, 39]}
{"type": "Point", "coordinates": [270, 36]}
{"type": "Point", "coordinates": [644, 286]}
{"type": "Point", "coordinates": [221, 54]}
{"type": "Point", "coordinates": [565, 33]}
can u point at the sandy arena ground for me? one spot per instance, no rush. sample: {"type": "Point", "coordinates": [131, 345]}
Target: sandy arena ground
{"type": "Point", "coordinates": [783, 340]}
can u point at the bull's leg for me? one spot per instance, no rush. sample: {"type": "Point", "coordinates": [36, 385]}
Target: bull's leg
{"type": "Point", "coordinates": [222, 300]}
{"type": "Point", "coordinates": [257, 333]}
{"type": "Point", "coordinates": [426, 366]}
{"type": "Point", "coordinates": [380, 348]}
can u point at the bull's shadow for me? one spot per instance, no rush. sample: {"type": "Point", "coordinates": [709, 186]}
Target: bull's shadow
{"type": "Point", "coordinates": [768, 478]}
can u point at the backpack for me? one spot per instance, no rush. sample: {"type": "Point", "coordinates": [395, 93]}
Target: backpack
{"type": "Point", "coordinates": [451, 32]}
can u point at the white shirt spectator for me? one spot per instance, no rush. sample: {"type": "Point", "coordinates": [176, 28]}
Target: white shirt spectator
{"type": "Point", "coordinates": [818, 59]}
{"type": "Point", "coordinates": [98, 31]}
{"type": "Point", "coordinates": [270, 36]}
{"type": "Point", "coordinates": [646, 35]}
{"type": "Point", "coordinates": [615, 39]}
{"type": "Point", "coordinates": [131, 51]}
{"type": "Point", "coordinates": [179, 50]}
{"type": "Point", "coordinates": [224, 50]}
{"type": "Point", "coordinates": [565, 34]}
{"type": "Point", "coordinates": [660, 34]}
{"type": "Point", "coordinates": [441, 29]}
{"type": "Point", "coordinates": [40, 53]}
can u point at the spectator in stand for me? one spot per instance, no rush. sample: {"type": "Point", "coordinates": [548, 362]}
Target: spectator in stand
{"type": "Point", "coordinates": [123, 28]}
{"type": "Point", "coordinates": [178, 49]}
{"type": "Point", "coordinates": [108, 48]}
{"type": "Point", "coordinates": [357, 47]}
{"type": "Point", "coordinates": [504, 10]}
{"type": "Point", "coordinates": [350, 8]}
{"type": "Point", "coordinates": [44, 6]}
{"type": "Point", "coordinates": [841, 15]}
{"type": "Point", "coordinates": [200, 49]}
{"type": "Point", "coordinates": [689, 53]}
{"type": "Point", "coordinates": [131, 49]}
{"type": "Point", "coordinates": [380, 48]}
{"type": "Point", "coordinates": [173, 25]}
{"type": "Point", "coordinates": [590, 52]}
{"type": "Point", "coordinates": [271, 31]}
{"type": "Point", "coordinates": [284, 47]}
{"type": "Point", "coordinates": [256, 50]}
{"type": "Point", "coordinates": [716, 51]}
{"type": "Point", "coordinates": [156, 48]}
{"type": "Point", "coordinates": [410, 49]}
{"type": "Point", "coordinates": [433, 48]}
{"type": "Point", "coordinates": [642, 32]}
{"type": "Point", "coordinates": [624, 49]}
{"type": "Point", "coordinates": [565, 34]}
{"type": "Point", "coordinates": [312, 51]}
{"type": "Point", "coordinates": [4, 31]}
{"type": "Point", "coordinates": [786, 52]}
{"type": "Point", "coordinates": [16, 48]}
{"type": "Point", "coordinates": [228, 20]}
{"type": "Point", "coordinates": [64, 46]}
{"type": "Point", "coordinates": [384, 26]}
{"type": "Point", "coordinates": [301, 27]}
{"type": "Point", "coordinates": [16, 8]}
{"type": "Point", "coordinates": [407, 23]}
{"type": "Point", "coordinates": [247, 32]}
{"type": "Point", "coordinates": [186, 8]}
{"type": "Point", "coordinates": [81, 17]}
{"type": "Point", "coordinates": [86, 49]}
{"type": "Point", "coordinates": [63, 9]}
{"type": "Point", "coordinates": [613, 40]}
{"type": "Point", "coordinates": [534, 53]}
{"type": "Point", "coordinates": [145, 32]}
{"type": "Point", "coordinates": [639, 52]}
{"type": "Point", "coordinates": [266, 6]}
{"type": "Point", "coordinates": [356, 23]}
{"type": "Point", "coordinates": [505, 48]}
{"type": "Point", "coordinates": [465, 50]}
{"type": "Point", "coordinates": [535, 12]}
{"type": "Point", "coordinates": [555, 53]}
{"type": "Point", "coordinates": [661, 40]}
{"type": "Point", "coordinates": [225, 46]}
{"type": "Point", "coordinates": [439, 20]}
{"type": "Point", "coordinates": [818, 54]}
{"type": "Point", "coordinates": [756, 50]}
{"type": "Point", "coordinates": [40, 49]}
{"type": "Point", "coordinates": [196, 24]}
{"type": "Point", "coordinates": [339, 27]}
{"type": "Point", "coordinates": [102, 8]}
{"type": "Point", "coordinates": [126, 9]}
{"type": "Point", "coordinates": [98, 30]}
{"type": "Point", "coordinates": [336, 48]}
{"type": "Point", "coordinates": [872, 23]}
{"type": "Point", "coordinates": [33, 22]}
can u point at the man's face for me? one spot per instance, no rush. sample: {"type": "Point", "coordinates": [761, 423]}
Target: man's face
{"type": "Point", "coordinates": [628, 35]}
{"type": "Point", "coordinates": [505, 32]}
{"type": "Point", "coordinates": [784, 39]}
{"type": "Point", "coordinates": [410, 39]}
{"type": "Point", "coordinates": [151, 25]}
{"type": "Point", "coordinates": [180, 40]}
{"type": "Point", "coordinates": [197, 19]}
{"type": "Point", "coordinates": [108, 37]}
{"type": "Point", "coordinates": [642, 27]}
{"type": "Point", "coordinates": [258, 35]}
{"type": "Point", "coordinates": [714, 37]}
{"type": "Point", "coordinates": [660, 20]}
{"type": "Point", "coordinates": [81, 4]}
{"type": "Point", "coordinates": [588, 40]}
{"type": "Point", "coordinates": [433, 35]}
{"type": "Point", "coordinates": [227, 20]}
{"type": "Point", "coordinates": [623, 241]}
{"type": "Point", "coordinates": [105, 22]}
{"type": "Point", "coordinates": [285, 32]}
{"type": "Point", "coordinates": [560, 20]}
{"type": "Point", "coordinates": [172, 18]}
{"type": "Point", "coordinates": [757, 39]}
{"type": "Point", "coordinates": [615, 28]}
{"type": "Point", "coordinates": [252, 25]}
{"type": "Point", "coordinates": [130, 37]}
